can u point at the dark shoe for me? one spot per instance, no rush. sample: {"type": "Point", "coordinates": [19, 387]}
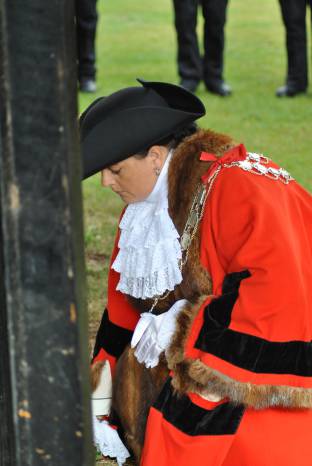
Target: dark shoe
{"type": "Point", "coordinates": [189, 84]}
{"type": "Point", "coordinates": [87, 85]}
{"type": "Point", "coordinates": [219, 88]}
{"type": "Point", "coordinates": [289, 91]}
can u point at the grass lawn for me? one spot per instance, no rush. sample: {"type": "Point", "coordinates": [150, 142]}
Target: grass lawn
{"type": "Point", "coordinates": [137, 39]}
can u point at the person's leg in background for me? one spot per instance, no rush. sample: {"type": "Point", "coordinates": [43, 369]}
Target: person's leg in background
{"type": "Point", "coordinates": [188, 55]}
{"type": "Point", "coordinates": [294, 18]}
{"type": "Point", "coordinates": [86, 20]}
{"type": "Point", "coordinates": [214, 12]}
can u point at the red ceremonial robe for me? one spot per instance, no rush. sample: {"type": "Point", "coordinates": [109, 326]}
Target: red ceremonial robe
{"type": "Point", "coordinates": [250, 341]}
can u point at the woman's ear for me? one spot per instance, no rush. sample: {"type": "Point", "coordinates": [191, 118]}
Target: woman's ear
{"type": "Point", "coordinates": [158, 155]}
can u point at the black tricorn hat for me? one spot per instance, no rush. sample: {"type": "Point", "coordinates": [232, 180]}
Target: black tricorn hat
{"type": "Point", "coordinates": [131, 120]}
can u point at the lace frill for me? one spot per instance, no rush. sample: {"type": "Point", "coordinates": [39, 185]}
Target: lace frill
{"type": "Point", "coordinates": [108, 442]}
{"type": "Point", "coordinates": [149, 249]}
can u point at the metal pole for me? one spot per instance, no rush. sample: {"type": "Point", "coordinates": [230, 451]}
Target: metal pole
{"type": "Point", "coordinates": [44, 381]}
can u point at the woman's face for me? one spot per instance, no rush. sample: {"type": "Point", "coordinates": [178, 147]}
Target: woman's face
{"type": "Point", "coordinates": [134, 178]}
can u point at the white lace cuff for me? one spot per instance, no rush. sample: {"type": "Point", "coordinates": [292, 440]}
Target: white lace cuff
{"type": "Point", "coordinates": [108, 442]}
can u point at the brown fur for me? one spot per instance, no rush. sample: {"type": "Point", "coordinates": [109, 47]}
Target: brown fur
{"type": "Point", "coordinates": [186, 169]}
{"type": "Point", "coordinates": [135, 390]}
{"type": "Point", "coordinates": [96, 370]}
{"type": "Point", "coordinates": [193, 375]}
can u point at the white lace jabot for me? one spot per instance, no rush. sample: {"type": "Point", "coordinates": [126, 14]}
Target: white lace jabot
{"type": "Point", "coordinates": [149, 248]}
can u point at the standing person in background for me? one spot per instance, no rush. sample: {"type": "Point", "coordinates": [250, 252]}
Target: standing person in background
{"type": "Point", "coordinates": [294, 18]}
{"type": "Point", "coordinates": [86, 20]}
{"type": "Point", "coordinates": [191, 66]}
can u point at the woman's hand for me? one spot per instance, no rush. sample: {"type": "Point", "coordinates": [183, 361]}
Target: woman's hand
{"type": "Point", "coordinates": [153, 334]}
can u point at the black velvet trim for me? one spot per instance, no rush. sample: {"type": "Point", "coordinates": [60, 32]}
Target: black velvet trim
{"type": "Point", "coordinates": [232, 281]}
{"type": "Point", "coordinates": [247, 351]}
{"type": "Point", "coordinates": [193, 420]}
{"type": "Point", "coordinates": [112, 338]}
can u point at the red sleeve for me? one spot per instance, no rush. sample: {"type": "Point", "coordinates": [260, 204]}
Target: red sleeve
{"type": "Point", "coordinates": [261, 225]}
{"type": "Point", "coordinates": [120, 311]}
{"type": "Point", "coordinates": [118, 321]}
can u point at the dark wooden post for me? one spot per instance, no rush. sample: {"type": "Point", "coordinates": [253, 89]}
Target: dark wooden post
{"type": "Point", "coordinates": [44, 383]}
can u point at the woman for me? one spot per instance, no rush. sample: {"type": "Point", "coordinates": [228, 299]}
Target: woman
{"type": "Point", "coordinates": [220, 239]}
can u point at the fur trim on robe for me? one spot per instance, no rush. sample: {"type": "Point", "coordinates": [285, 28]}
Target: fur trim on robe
{"type": "Point", "coordinates": [192, 375]}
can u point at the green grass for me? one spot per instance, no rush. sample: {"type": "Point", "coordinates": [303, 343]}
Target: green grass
{"type": "Point", "coordinates": [137, 39]}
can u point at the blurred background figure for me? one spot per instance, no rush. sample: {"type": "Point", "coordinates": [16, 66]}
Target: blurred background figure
{"type": "Point", "coordinates": [294, 18]}
{"type": "Point", "coordinates": [86, 20]}
{"type": "Point", "coordinates": [191, 66]}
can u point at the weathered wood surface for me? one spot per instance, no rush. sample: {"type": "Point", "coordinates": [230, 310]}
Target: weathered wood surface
{"type": "Point", "coordinates": [44, 383]}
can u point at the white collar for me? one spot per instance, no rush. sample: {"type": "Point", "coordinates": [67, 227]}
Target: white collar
{"type": "Point", "coordinates": [149, 249]}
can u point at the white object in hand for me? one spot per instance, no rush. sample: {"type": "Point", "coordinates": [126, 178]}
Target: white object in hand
{"type": "Point", "coordinates": [102, 395]}
{"type": "Point", "coordinates": [153, 334]}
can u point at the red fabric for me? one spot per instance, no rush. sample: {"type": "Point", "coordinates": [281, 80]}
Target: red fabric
{"type": "Point", "coordinates": [203, 403]}
{"type": "Point", "coordinates": [104, 356]}
{"type": "Point", "coordinates": [252, 222]}
{"type": "Point", "coordinates": [255, 223]}
{"type": "Point", "coordinates": [270, 437]}
{"type": "Point", "coordinates": [235, 372]}
{"type": "Point", "coordinates": [246, 376]}
{"type": "Point", "coordinates": [120, 311]}
{"type": "Point", "coordinates": [167, 446]}
{"type": "Point", "coordinates": [235, 154]}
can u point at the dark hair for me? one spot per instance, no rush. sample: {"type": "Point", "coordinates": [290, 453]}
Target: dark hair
{"type": "Point", "coordinates": [173, 140]}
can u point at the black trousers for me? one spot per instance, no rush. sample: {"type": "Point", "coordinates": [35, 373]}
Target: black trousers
{"type": "Point", "coordinates": [190, 64]}
{"type": "Point", "coordinates": [294, 18]}
{"type": "Point", "coordinates": [86, 20]}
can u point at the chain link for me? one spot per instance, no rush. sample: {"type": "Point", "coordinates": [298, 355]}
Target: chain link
{"type": "Point", "coordinates": [191, 226]}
